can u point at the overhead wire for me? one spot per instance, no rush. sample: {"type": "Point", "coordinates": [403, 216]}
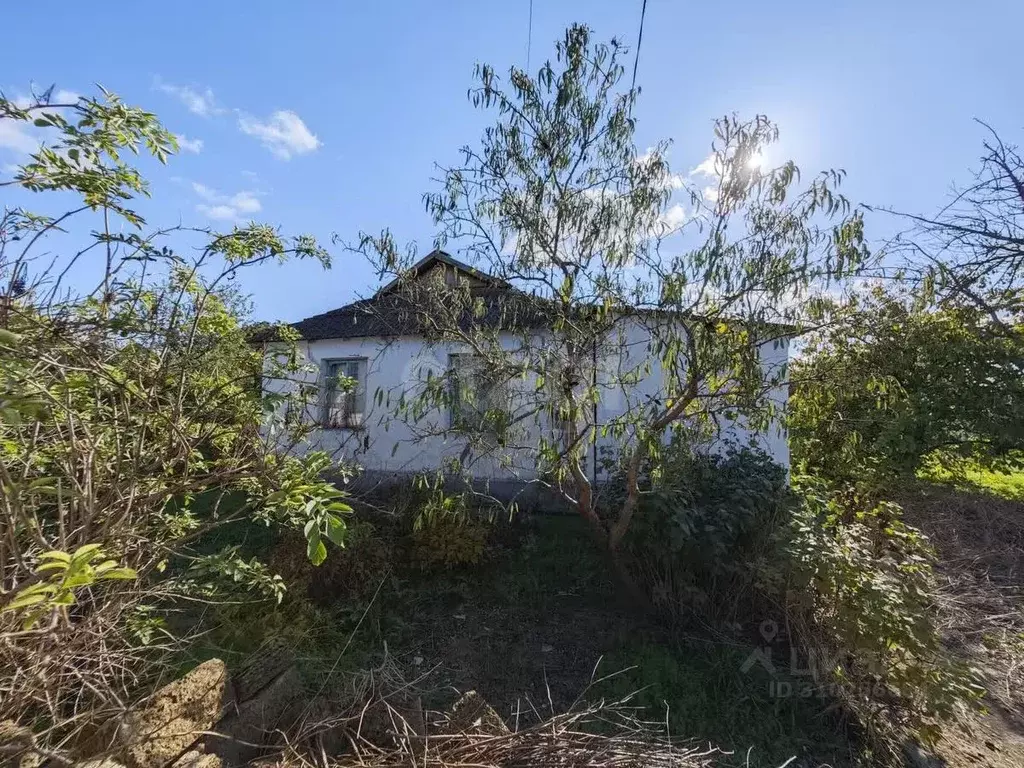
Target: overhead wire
{"type": "Point", "coordinates": [529, 38]}
{"type": "Point", "coordinates": [639, 42]}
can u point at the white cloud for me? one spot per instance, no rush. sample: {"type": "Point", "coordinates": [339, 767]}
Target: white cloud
{"type": "Point", "coordinates": [35, 98]}
{"type": "Point", "coordinates": [197, 102]}
{"type": "Point", "coordinates": [672, 219]}
{"type": "Point", "coordinates": [20, 136]}
{"type": "Point", "coordinates": [646, 157]}
{"type": "Point", "coordinates": [16, 136]}
{"type": "Point", "coordinates": [189, 145]}
{"type": "Point", "coordinates": [707, 167]}
{"type": "Point", "coordinates": [225, 207]}
{"type": "Point", "coordinates": [672, 181]}
{"type": "Point", "coordinates": [284, 133]}
{"type": "Point", "coordinates": [219, 212]}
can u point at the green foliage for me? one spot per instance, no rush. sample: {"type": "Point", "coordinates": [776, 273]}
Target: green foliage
{"type": "Point", "coordinates": [1003, 478]}
{"type": "Point", "coordinates": [705, 527]}
{"type": "Point", "coordinates": [704, 692]}
{"type": "Point", "coordinates": [859, 590]}
{"type": "Point", "coordinates": [895, 383]}
{"type": "Point", "coordinates": [348, 577]}
{"type": "Point", "coordinates": [87, 157]}
{"type": "Point", "coordinates": [446, 534]}
{"type": "Point", "coordinates": [132, 424]}
{"type": "Point", "coordinates": [62, 575]}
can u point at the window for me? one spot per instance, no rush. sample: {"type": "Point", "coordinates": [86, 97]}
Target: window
{"type": "Point", "coordinates": [473, 393]}
{"type": "Point", "coordinates": [345, 393]}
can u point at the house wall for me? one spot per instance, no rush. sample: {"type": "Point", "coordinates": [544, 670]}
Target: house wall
{"type": "Point", "coordinates": [629, 351]}
{"type": "Point", "coordinates": [390, 445]}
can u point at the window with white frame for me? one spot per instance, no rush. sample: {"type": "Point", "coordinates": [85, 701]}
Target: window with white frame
{"type": "Point", "coordinates": [345, 393]}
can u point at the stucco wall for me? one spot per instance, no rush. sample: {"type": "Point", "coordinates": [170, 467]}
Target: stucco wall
{"type": "Point", "coordinates": [389, 444]}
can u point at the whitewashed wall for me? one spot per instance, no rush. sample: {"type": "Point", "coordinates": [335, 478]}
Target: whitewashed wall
{"type": "Point", "coordinates": [388, 444]}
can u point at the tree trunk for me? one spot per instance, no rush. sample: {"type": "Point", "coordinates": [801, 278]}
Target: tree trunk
{"type": "Point", "coordinates": [618, 562]}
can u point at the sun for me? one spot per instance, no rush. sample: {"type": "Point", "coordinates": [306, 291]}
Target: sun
{"type": "Point", "coordinates": [755, 162]}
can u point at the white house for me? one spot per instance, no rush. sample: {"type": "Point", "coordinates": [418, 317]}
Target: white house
{"type": "Point", "coordinates": [387, 359]}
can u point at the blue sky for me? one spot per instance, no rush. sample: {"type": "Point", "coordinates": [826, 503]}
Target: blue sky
{"type": "Point", "coordinates": [328, 117]}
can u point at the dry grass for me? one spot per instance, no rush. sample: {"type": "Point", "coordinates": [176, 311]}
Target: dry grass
{"type": "Point", "coordinates": [600, 735]}
{"type": "Point", "coordinates": [376, 719]}
{"type": "Point", "coordinates": [979, 542]}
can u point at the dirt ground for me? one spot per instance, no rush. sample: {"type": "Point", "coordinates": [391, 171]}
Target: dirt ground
{"type": "Point", "coordinates": [979, 540]}
{"type": "Point", "coordinates": [531, 628]}
{"type": "Point", "coordinates": [529, 638]}
{"type": "Point", "coordinates": [527, 657]}
{"type": "Point", "coordinates": [538, 629]}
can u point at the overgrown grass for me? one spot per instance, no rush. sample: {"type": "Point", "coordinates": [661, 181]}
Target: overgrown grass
{"type": "Point", "coordinates": [531, 628]}
{"type": "Point", "coordinates": [702, 689]}
{"type": "Point", "coordinates": [964, 474]}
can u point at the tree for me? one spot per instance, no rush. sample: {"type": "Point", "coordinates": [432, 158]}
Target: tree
{"type": "Point", "coordinates": [896, 381]}
{"type": "Point", "coordinates": [972, 251]}
{"type": "Point", "coordinates": [130, 419]}
{"type": "Point", "coordinates": [593, 262]}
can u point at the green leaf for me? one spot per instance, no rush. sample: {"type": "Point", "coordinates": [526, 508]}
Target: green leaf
{"type": "Point", "coordinates": [86, 553]}
{"type": "Point", "coordinates": [82, 578]}
{"type": "Point", "coordinates": [24, 601]}
{"type": "Point", "coordinates": [316, 551]}
{"type": "Point", "coordinates": [125, 574]}
{"type": "Point", "coordinates": [56, 554]}
{"type": "Point", "coordinates": [53, 565]}
{"type": "Point", "coordinates": [336, 530]}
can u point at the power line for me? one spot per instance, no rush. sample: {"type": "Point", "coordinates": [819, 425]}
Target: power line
{"type": "Point", "coordinates": [639, 41]}
{"type": "Point", "coordinates": [529, 38]}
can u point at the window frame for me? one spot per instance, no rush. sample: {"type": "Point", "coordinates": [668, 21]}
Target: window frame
{"type": "Point", "coordinates": [456, 411]}
{"type": "Point", "coordinates": [358, 393]}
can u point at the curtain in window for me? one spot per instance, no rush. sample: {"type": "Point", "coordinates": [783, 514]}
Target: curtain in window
{"type": "Point", "coordinates": [346, 405]}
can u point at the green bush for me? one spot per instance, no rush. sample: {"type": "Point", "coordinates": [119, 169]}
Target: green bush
{"type": "Point", "coordinates": [858, 588]}
{"type": "Point", "coordinates": [446, 533]}
{"type": "Point", "coordinates": [349, 576]}
{"type": "Point", "coordinates": [704, 527]}
{"type": "Point", "coordinates": [705, 691]}
{"type": "Point", "coordinates": [875, 395]}
{"type": "Point", "coordinates": [131, 431]}
{"type": "Point", "coordinates": [1003, 478]}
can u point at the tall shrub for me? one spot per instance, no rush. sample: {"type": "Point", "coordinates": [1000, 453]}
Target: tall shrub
{"type": "Point", "coordinates": [705, 528]}
{"type": "Point", "coordinates": [132, 422]}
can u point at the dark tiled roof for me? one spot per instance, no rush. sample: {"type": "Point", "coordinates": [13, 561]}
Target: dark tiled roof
{"type": "Point", "coordinates": [391, 313]}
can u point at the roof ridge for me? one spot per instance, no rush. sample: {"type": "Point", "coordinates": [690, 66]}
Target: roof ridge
{"type": "Point", "coordinates": [437, 255]}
